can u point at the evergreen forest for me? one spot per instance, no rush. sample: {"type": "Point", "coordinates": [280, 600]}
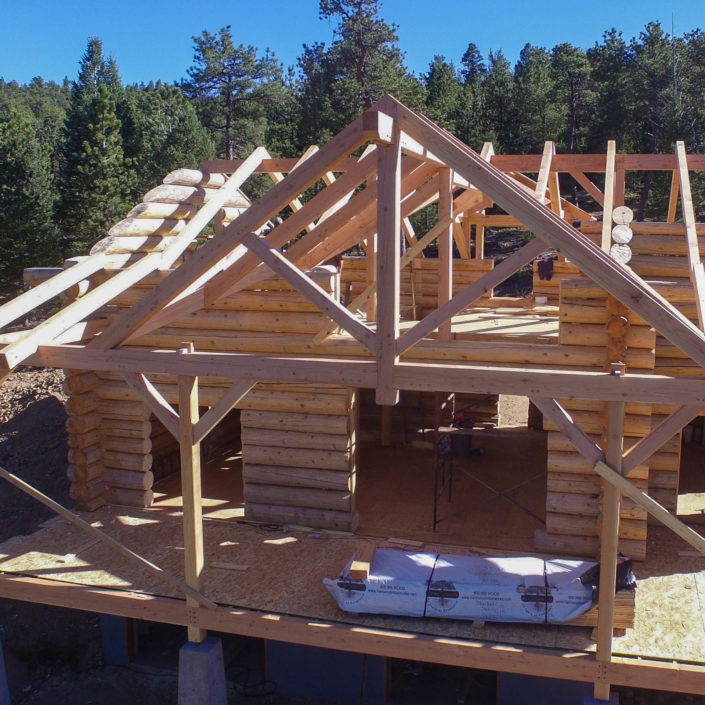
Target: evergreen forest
{"type": "Point", "coordinates": [75, 157]}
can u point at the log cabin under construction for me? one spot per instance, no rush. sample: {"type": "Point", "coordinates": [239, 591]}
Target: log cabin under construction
{"type": "Point", "coordinates": [298, 333]}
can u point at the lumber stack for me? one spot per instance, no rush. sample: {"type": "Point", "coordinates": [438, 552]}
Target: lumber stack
{"type": "Point", "coordinates": [85, 469]}
{"type": "Point", "coordinates": [299, 455]}
{"type": "Point", "coordinates": [573, 501]}
{"type": "Point", "coordinates": [418, 281]}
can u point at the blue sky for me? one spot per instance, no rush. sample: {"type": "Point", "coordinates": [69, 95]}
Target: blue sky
{"type": "Point", "coordinates": [152, 39]}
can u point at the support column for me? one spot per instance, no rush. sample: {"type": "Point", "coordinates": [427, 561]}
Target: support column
{"type": "Point", "coordinates": [190, 452]}
{"type": "Point", "coordinates": [608, 542]}
{"type": "Point", "coordinates": [202, 674]}
{"type": "Point", "coordinates": [445, 246]}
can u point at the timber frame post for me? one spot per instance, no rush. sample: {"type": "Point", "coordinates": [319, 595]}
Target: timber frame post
{"type": "Point", "coordinates": [190, 454]}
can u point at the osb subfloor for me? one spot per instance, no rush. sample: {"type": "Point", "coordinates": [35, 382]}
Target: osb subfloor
{"type": "Point", "coordinates": [280, 569]}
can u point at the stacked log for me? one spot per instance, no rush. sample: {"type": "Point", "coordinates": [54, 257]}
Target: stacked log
{"type": "Point", "coordinates": [166, 210]}
{"type": "Point", "coordinates": [85, 469]}
{"type": "Point", "coordinates": [550, 288]}
{"type": "Point", "coordinates": [126, 443]}
{"type": "Point", "coordinates": [299, 449]}
{"type": "Point", "coordinates": [418, 281]}
{"type": "Point", "coordinates": [573, 502]}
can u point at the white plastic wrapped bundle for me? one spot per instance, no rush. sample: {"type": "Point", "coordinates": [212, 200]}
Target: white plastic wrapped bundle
{"type": "Point", "coordinates": [521, 589]}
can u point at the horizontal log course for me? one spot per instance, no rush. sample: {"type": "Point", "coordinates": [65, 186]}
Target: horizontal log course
{"type": "Point", "coordinates": [575, 483]}
{"type": "Point", "coordinates": [85, 473]}
{"type": "Point", "coordinates": [590, 422]}
{"type": "Point", "coordinates": [293, 439]}
{"type": "Point", "coordinates": [137, 433]}
{"type": "Point", "coordinates": [650, 266]}
{"type": "Point", "coordinates": [297, 457]}
{"type": "Point", "coordinates": [589, 505]}
{"type": "Point", "coordinates": [298, 477]}
{"type": "Point", "coordinates": [82, 423]}
{"type": "Point", "coordinates": [129, 497]}
{"type": "Point", "coordinates": [128, 410]}
{"type": "Point", "coordinates": [272, 301]}
{"type": "Point", "coordinates": [574, 463]}
{"type": "Point", "coordinates": [584, 545]}
{"type": "Point", "coordinates": [140, 227]}
{"type": "Point", "coordinates": [595, 335]}
{"type": "Point", "coordinates": [79, 383]}
{"type": "Point", "coordinates": [127, 445]}
{"type": "Point", "coordinates": [663, 479]}
{"type": "Point", "coordinates": [83, 440]}
{"type": "Point", "coordinates": [298, 497]}
{"type": "Point", "coordinates": [86, 456]}
{"type": "Point", "coordinates": [674, 230]}
{"type": "Point", "coordinates": [156, 209]}
{"type": "Point", "coordinates": [127, 461]}
{"type": "Point", "coordinates": [128, 479]}
{"type": "Point", "coordinates": [319, 518]}
{"type": "Point", "coordinates": [82, 403]}
{"type": "Point", "coordinates": [193, 195]}
{"type": "Point", "coordinates": [195, 177]}
{"type": "Point", "coordinates": [597, 406]}
{"type": "Point", "coordinates": [87, 492]}
{"type": "Point", "coordinates": [265, 321]}
{"type": "Point", "coordinates": [577, 525]}
{"type": "Point", "coordinates": [558, 442]}
{"type": "Point", "coordinates": [140, 428]}
{"type": "Point", "coordinates": [315, 423]}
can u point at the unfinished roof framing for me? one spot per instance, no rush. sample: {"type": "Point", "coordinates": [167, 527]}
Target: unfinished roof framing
{"type": "Point", "coordinates": [156, 321]}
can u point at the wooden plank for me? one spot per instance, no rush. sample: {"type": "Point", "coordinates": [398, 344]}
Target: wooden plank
{"type": "Point", "coordinates": [697, 276]}
{"type": "Point", "coordinates": [608, 205]}
{"type": "Point", "coordinates": [445, 246]}
{"type": "Point", "coordinates": [29, 300]}
{"type": "Point", "coordinates": [647, 446]}
{"type": "Point", "coordinates": [549, 149]}
{"type": "Point", "coordinates": [155, 401]}
{"type": "Point", "coordinates": [306, 286]}
{"type": "Point", "coordinates": [388, 270]}
{"type": "Point", "coordinates": [216, 413]}
{"type": "Point", "coordinates": [609, 539]}
{"type": "Point", "coordinates": [362, 560]}
{"type": "Point", "coordinates": [673, 197]}
{"type": "Point", "coordinates": [589, 187]}
{"type": "Point", "coordinates": [190, 454]}
{"type": "Point", "coordinates": [471, 293]}
{"type": "Point", "coordinates": [188, 590]}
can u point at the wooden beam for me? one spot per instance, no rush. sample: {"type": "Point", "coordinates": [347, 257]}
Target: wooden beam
{"type": "Point", "coordinates": [362, 559]}
{"type": "Point", "coordinates": [314, 293]}
{"type": "Point", "coordinates": [608, 205]}
{"type": "Point", "coordinates": [644, 448]}
{"type": "Point", "coordinates": [29, 300]}
{"type": "Point", "coordinates": [697, 275]}
{"type": "Point", "coordinates": [464, 298]}
{"type": "Point", "coordinates": [549, 149]}
{"type": "Point", "coordinates": [455, 651]}
{"type": "Point", "coordinates": [673, 197]}
{"type": "Point", "coordinates": [190, 454]}
{"type": "Point", "coordinates": [609, 540]}
{"type": "Point", "coordinates": [155, 401]}
{"type": "Point", "coordinates": [230, 398]}
{"type": "Point", "coordinates": [651, 506]}
{"type": "Point", "coordinates": [589, 187]}
{"type": "Point", "coordinates": [194, 595]}
{"type": "Point", "coordinates": [388, 274]}
{"type": "Point", "coordinates": [445, 246]}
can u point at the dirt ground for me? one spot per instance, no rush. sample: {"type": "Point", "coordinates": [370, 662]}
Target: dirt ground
{"type": "Point", "coordinates": [55, 655]}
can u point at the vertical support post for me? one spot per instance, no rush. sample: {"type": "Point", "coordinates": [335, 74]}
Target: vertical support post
{"type": "Point", "coordinates": [620, 183]}
{"type": "Point", "coordinates": [388, 271]}
{"type": "Point", "coordinates": [371, 278]}
{"type": "Point", "coordinates": [673, 197]}
{"type": "Point", "coordinates": [608, 205]}
{"type": "Point", "coordinates": [190, 453]}
{"type": "Point", "coordinates": [609, 538]}
{"type": "Point", "coordinates": [445, 245]}
{"type": "Point", "coordinates": [480, 241]}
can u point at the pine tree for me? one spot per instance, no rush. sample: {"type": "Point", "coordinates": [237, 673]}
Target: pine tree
{"type": "Point", "coordinates": [498, 90]}
{"type": "Point", "coordinates": [103, 181]}
{"type": "Point", "coordinates": [443, 93]}
{"type": "Point", "coordinates": [470, 116]}
{"type": "Point", "coordinates": [231, 87]}
{"type": "Point", "coordinates": [28, 236]}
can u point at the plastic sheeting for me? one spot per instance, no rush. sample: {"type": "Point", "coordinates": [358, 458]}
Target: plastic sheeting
{"type": "Point", "coordinates": [524, 589]}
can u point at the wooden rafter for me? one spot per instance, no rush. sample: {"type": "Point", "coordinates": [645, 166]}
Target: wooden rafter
{"type": "Point", "coordinates": [230, 398]}
{"type": "Point", "coordinates": [151, 396]}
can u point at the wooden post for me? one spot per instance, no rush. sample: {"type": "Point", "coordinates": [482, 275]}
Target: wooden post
{"type": "Point", "coordinates": [191, 490]}
{"type": "Point", "coordinates": [608, 205]}
{"type": "Point", "coordinates": [388, 266]}
{"type": "Point", "coordinates": [445, 246]}
{"type": "Point", "coordinates": [609, 538]}
{"type": "Point", "coordinates": [371, 260]}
